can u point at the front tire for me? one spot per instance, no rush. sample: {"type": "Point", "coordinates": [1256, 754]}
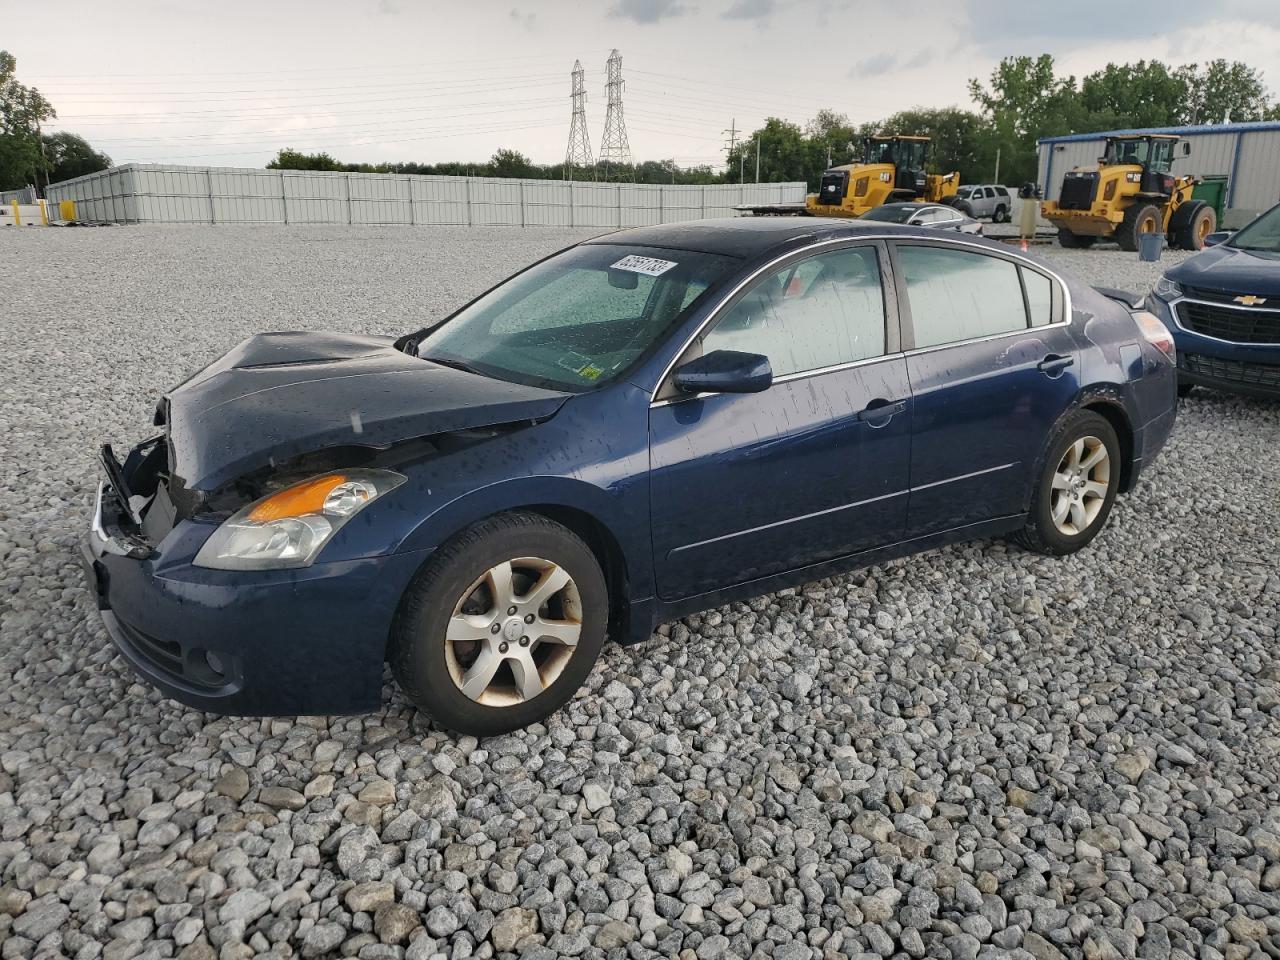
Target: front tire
{"type": "Point", "coordinates": [1138, 219]}
{"type": "Point", "coordinates": [1191, 223]}
{"type": "Point", "coordinates": [1001, 215]}
{"type": "Point", "coordinates": [1077, 486]}
{"type": "Point", "coordinates": [502, 626]}
{"type": "Point", "coordinates": [1074, 241]}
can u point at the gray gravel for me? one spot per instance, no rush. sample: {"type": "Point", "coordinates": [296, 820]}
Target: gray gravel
{"type": "Point", "coordinates": [974, 753]}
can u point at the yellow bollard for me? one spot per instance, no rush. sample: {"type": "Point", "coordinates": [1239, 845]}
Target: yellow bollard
{"type": "Point", "coordinates": [67, 210]}
{"type": "Point", "coordinates": [17, 214]}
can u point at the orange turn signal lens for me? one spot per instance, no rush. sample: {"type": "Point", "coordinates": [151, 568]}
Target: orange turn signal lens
{"type": "Point", "coordinates": [306, 497]}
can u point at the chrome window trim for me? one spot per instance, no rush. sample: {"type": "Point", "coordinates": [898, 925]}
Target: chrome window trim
{"type": "Point", "coordinates": [1067, 305]}
{"type": "Point", "coordinates": [1177, 320]}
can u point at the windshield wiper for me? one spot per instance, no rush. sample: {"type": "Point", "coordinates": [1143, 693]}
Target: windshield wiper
{"type": "Point", "coordinates": [455, 364]}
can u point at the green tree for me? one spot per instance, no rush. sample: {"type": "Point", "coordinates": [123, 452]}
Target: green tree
{"type": "Point", "coordinates": [785, 154]}
{"type": "Point", "coordinates": [1142, 94]}
{"type": "Point", "coordinates": [22, 111]}
{"type": "Point", "coordinates": [1022, 101]}
{"type": "Point", "coordinates": [1222, 91]}
{"type": "Point", "coordinates": [289, 159]}
{"type": "Point", "coordinates": [511, 163]}
{"type": "Point", "coordinates": [68, 156]}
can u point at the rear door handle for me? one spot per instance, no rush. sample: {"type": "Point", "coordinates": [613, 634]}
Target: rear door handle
{"type": "Point", "coordinates": [1054, 364]}
{"type": "Point", "coordinates": [879, 412]}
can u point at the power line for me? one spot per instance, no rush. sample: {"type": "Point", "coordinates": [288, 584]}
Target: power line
{"type": "Point", "coordinates": [614, 145]}
{"type": "Point", "coordinates": [578, 152]}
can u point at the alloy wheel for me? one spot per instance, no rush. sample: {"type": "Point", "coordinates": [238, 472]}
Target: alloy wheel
{"type": "Point", "coordinates": [1080, 485]}
{"type": "Point", "coordinates": [513, 631]}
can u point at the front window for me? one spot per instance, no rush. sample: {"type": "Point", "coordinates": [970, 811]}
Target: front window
{"type": "Point", "coordinates": [1260, 236]}
{"type": "Point", "coordinates": [889, 214]}
{"type": "Point", "coordinates": [1157, 155]}
{"type": "Point", "coordinates": [578, 319]}
{"type": "Point", "coordinates": [818, 312]}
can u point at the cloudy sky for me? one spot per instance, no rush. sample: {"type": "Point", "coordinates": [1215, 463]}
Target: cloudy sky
{"type": "Point", "coordinates": [228, 83]}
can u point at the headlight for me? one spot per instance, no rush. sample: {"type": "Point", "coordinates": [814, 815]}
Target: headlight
{"type": "Point", "coordinates": [289, 527]}
{"type": "Point", "coordinates": [1167, 289]}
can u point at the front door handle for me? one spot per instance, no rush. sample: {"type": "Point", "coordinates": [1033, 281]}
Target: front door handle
{"type": "Point", "coordinates": [1053, 365]}
{"type": "Point", "coordinates": [879, 411]}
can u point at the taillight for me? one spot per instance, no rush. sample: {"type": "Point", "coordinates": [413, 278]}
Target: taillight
{"type": "Point", "coordinates": [1156, 333]}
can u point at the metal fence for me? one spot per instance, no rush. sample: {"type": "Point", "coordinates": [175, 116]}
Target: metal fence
{"type": "Point", "coordinates": [151, 193]}
{"type": "Point", "coordinates": [26, 195]}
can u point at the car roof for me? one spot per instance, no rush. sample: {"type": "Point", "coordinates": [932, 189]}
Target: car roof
{"type": "Point", "coordinates": [750, 237]}
{"type": "Point", "coordinates": [731, 236]}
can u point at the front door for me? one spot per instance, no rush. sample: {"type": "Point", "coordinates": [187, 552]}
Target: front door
{"type": "Point", "coordinates": [993, 365]}
{"type": "Point", "coordinates": [815, 467]}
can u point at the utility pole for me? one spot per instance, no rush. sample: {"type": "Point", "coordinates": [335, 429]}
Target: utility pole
{"type": "Point", "coordinates": [996, 178]}
{"type": "Point", "coordinates": [757, 159]}
{"type": "Point", "coordinates": [828, 156]}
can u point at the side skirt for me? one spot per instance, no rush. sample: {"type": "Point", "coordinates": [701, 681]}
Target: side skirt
{"type": "Point", "coordinates": [649, 613]}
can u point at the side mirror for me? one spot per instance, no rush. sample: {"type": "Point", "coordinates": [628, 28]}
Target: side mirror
{"type": "Point", "coordinates": [1215, 238]}
{"type": "Point", "coordinates": [725, 371]}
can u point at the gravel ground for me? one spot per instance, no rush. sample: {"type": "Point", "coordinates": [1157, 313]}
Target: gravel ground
{"type": "Point", "coordinates": [973, 753]}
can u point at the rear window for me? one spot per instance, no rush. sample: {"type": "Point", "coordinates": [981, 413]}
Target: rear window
{"type": "Point", "coordinates": [957, 295]}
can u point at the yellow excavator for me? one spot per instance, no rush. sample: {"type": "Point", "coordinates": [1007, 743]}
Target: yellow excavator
{"type": "Point", "coordinates": [1130, 192]}
{"type": "Point", "coordinates": [892, 169]}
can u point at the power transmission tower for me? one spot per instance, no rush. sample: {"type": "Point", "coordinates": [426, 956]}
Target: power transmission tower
{"type": "Point", "coordinates": [733, 141]}
{"type": "Point", "coordinates": [578, 153]}
{"type": "Point", "coordinates": [614, 147]}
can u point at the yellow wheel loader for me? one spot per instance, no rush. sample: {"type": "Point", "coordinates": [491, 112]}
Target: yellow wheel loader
{"type": "Point", "coordinates": [1130, 192]}
{"type": "Point", "coordinates": [892, 170]}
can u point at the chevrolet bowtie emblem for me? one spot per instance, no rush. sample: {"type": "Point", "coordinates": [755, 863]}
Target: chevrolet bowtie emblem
{"type": "Point", "coordinates": [1249, 300]}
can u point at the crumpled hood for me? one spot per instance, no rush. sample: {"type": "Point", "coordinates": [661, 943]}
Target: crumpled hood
{"type": "Point", "coordinates": [279, 395]}
{"type": "Point", "coordinates": [1229, 270]}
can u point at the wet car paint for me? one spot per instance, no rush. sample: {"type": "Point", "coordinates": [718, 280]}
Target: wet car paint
{"type": "Point", "coordinates": [689, 503]}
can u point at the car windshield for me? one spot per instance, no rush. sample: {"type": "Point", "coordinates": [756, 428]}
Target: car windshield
{"type": "Point", "coordinates": [577, 319]}
{"type": "Point", "coordinates": [889, 214]}
{"type": "Point", "coordinates": [1262, 235]}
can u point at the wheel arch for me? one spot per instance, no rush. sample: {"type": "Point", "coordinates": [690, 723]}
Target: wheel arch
{"type": "Point", "coordinates": [582, 508]}
{"type": "Point", "coordinates": [1110, 408]}
{"type": "Point", "coordinates": [1116, 415]}
{"type": "Point", "coordinates": [602, 542]}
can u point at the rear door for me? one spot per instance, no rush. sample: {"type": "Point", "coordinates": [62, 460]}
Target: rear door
{"type": "Point", "coordinates": [749, 485]}
{"type": "Point", "coordinates": [993, 364]}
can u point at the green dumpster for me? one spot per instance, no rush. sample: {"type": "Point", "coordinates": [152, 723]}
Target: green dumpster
{"type": "Point", "coordinates": [1213, 191]}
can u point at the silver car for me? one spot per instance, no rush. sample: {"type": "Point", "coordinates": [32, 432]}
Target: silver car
{"type": "Point", "coordinates": [924, 215]}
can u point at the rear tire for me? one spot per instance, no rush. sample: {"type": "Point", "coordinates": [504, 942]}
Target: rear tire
{"type": "Point", "coordinates": [498, 681]}
{"type": "Point", "coordinates": [1074, 241]}
{"type": "Point", "coordinates": [1191, 223]}
{"type": "Point", "coordinates": [1184, 389]}
{"type": "Point", "coordinates": [1076, 488]}
{"type": "Point", "coordinates": [1139, 219]}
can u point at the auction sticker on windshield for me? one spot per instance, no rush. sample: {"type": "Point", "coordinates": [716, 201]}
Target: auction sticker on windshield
{"type": "Point", "coordinates": [650, 266]}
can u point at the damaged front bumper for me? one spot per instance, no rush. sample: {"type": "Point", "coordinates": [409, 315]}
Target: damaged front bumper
{"type": "Point", "coordinates": [263, 643]}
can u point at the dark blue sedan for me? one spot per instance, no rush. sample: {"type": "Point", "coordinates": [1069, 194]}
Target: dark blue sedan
{"type": "Point", "coordinates": [1223, 306]}
{"type": "Point", "coordinates": [641, 426]}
